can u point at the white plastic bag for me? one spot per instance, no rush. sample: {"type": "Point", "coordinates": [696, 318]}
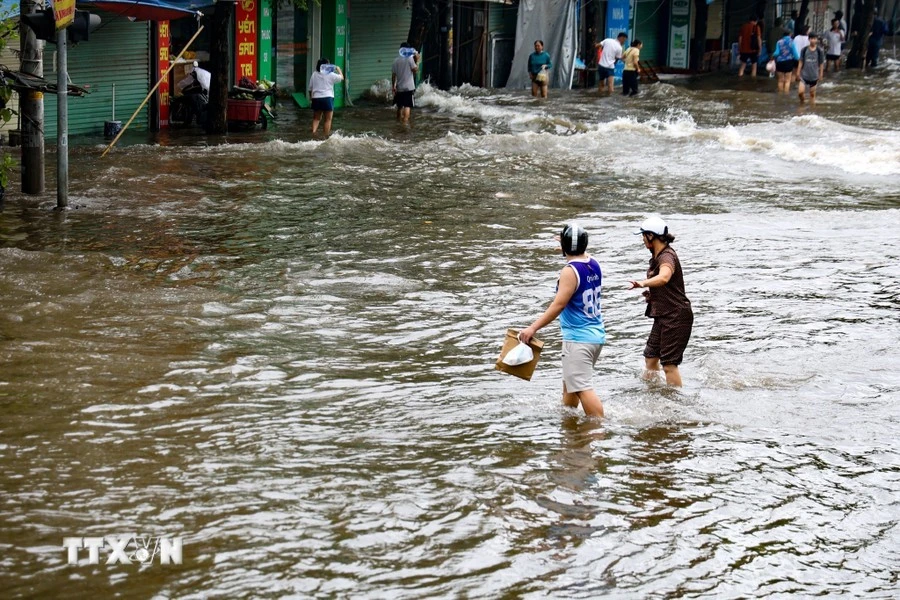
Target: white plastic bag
{"type": "Point", "coordinates": [519, 355]}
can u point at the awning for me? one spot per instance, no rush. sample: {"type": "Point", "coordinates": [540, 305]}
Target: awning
{"type": "Point", "coordinates": [144, 10]}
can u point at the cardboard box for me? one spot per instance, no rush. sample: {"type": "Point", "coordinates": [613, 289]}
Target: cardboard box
{"type": "Point", "coordinates": [526, 370]}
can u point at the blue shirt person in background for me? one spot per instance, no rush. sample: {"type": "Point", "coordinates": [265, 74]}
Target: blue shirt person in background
{"type": "Point", "coordinates": [538, 70]}
{"type": "Point", "coordinates": [577, 304]}
{"type": "Point", "coordinates": [786, 57]}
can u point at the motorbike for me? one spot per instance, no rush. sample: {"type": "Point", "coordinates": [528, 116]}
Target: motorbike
{"type": "Point", "coordinates": [185, 108]}
{"type": "Point", "coordinates": [247, 106]}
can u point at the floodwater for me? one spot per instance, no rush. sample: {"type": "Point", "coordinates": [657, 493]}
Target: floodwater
{"type": "Point", "coordinates": [281, 349]}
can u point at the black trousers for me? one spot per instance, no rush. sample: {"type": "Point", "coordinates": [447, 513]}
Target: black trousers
{"type": "Point", "coordinates": [629, 83]}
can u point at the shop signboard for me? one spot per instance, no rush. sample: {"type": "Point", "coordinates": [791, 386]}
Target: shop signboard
{"type": "Point", "coordinates": [617, 21]}
{"type": "Point", "coordinates": [163, 37]}
{"type": "Point", "coordinates": [340, 32]}
{"type": "Point", "coordinates": [63, 13]}
{"type": "Point", "coordinates": [267, 7]}
{"type": "Point", "coordinates": [679, 33]}
{"type": "Point", "coordinates": [245, 34]}
{"type": "Point", "coordinates": [334, 40]}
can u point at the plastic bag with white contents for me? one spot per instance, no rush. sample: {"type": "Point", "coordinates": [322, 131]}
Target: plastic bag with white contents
{"type": "Point", "coordinates": [519, 355]}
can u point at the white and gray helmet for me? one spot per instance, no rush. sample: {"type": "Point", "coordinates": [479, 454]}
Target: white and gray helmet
{"type": "Point", "coordinates": [573, 239]}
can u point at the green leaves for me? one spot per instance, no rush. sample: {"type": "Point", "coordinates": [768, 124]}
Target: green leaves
{"type": "Point", "coordinates": [7, 28]}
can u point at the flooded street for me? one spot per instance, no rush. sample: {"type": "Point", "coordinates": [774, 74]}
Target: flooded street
{"type": "Point", "coordinates": [282, 349]}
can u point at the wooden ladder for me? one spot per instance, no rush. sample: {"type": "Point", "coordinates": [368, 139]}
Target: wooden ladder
{"type": "Point", "coordinates": [648, 71]}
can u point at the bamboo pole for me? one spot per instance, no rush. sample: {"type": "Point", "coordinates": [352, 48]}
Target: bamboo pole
{"type": "Point", "coordinates": [164, 76]}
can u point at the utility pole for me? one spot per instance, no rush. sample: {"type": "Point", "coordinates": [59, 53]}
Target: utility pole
{"type": "Point", "coordinates": [31, 105]}
{"type": "Point", "coordinates": [62, 120]}
{"type": "Point", "coordinates": [217, 109]}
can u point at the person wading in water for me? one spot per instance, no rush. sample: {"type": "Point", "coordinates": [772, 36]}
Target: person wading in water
{"type": "Point", "coordinates": [577, 304]}
{"type": "Point", "coordinates": [667, 303]}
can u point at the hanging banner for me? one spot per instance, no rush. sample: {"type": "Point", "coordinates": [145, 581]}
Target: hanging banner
{"type": "Point", "coordinates": [245, 21]}
{"type": "Point", "coordinates": [340, 31]}
{"type": "Point", "coordinates": [162, 42]}
{"type": "Point", "coordinates": [334, 40]}
{"type": "Point", "coordinates": [265, 39]}
{"type": "Point", "coordinates": [340, 44]}
{"type": "Point", "coordinates": [617, 21]}
{"type": "Point", "coordinates": [679, 33]}
{"type": "Point", "coordinates": [63, 13]}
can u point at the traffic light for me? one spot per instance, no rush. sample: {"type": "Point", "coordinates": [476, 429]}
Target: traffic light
{"type": "Point", "coordinates": [44, 26]}
{"type": "Point", "coordinates": [81, 28]}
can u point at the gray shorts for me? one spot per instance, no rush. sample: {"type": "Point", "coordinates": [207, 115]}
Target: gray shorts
{"type": "Point", "coordinates": [578, 365]}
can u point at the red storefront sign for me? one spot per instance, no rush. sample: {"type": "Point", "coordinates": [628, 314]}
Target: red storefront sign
{"type": "Point", "coordinates": [245, 39]}
{"type": "Point", "coordinates": [162, 42]}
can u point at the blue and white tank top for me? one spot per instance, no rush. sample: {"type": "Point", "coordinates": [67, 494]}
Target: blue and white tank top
{"type": "Point", "coordinates": [581, 319]}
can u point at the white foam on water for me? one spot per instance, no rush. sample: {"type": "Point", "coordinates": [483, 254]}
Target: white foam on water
{"type": "Point", "coordinates": [625, 142]}
{"type": "Point", "coordinates": [892, 66]}
{"type": "Point", "coordinates": [809, 139]}
{"type": "Point", "coordinates": [380, 90]}
{"type": "Point", "coordinates": [512, 116]}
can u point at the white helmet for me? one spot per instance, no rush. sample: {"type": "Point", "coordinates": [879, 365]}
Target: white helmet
{"type": "Point", "coordinates": [654, 225]}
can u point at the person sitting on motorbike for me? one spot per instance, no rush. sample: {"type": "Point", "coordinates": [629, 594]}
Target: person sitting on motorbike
{"type": "Point", "coordinates": [195, 88]}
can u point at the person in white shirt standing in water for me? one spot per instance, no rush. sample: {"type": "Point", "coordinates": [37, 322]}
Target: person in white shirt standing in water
{"type": "Point", "coordinates": [577, 304]}
{"type": "Point", "coordinates": [321, 93]}
{"type": "Point", "coordinates": [801, 41]}
{"type": "Point", "coordinates": [834, 41]}
{"type": "Point", "coordinates": [403, 81]}
{"type": "Point", "coordinates": [610, 52]}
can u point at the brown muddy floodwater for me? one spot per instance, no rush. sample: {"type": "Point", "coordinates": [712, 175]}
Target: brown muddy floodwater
{"type": "Point", "coordinates": [281, 350]}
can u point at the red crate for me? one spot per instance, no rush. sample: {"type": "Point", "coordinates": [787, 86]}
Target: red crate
{"type": "Point", "coordinates": [243, 110]}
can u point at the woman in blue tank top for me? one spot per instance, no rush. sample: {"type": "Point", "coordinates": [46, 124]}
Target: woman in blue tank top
{"type": "Point", "coordinates": [577, 304]}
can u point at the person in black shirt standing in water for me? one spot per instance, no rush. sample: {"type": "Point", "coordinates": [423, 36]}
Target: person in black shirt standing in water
{"type": "Point", "coordinates": [667, 303]}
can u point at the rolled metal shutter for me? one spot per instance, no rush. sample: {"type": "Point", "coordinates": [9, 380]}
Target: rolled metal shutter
{"type": "Point", "coordinates": [377, 28]}
{"type": "Point", "coordinates": [649, 16]}
{"type": "Point", "coordinates": [118, 52]}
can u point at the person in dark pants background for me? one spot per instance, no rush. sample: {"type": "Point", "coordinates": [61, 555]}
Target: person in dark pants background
{"type": "Point", "coordinates": [876, 39]}
{"type": "Point", "coordinates": [749, 43]}
{"type": "Point", "coordinates": [403, 81]}
{"type": "Point", "coordinates": [631, 73]}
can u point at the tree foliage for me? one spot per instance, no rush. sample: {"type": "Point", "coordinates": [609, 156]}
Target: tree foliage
{"type": "Point", "coordinates": [8, 28]}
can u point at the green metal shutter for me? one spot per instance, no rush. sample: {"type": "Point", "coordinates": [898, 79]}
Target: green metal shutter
{"type": "Point", "coordinates": [648, 17]}
{"type": "Point", "coordinates": [377, 28]}
{"type": "Point", "coordinates": [502, 18]}
{"type": "Point", "coordinates": [117, 53]}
